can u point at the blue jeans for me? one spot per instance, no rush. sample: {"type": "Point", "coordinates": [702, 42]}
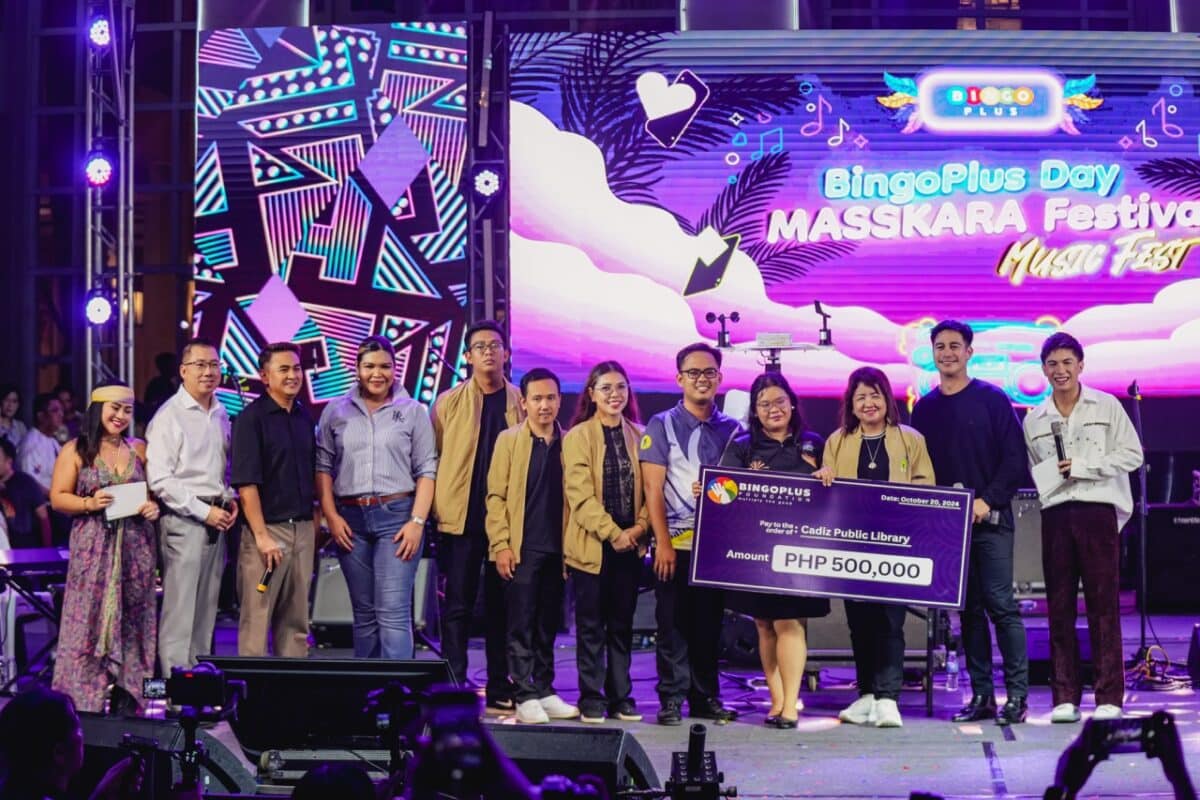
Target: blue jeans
{"type": "Point", "coordinates": [380, 584]}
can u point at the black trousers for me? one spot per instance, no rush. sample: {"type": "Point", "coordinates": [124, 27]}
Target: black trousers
{"type": "Point", "coordinates": [604, 606]}
{"type": "Point", "coordinates": [460, 559]}
{"type": "Point", "coordinates": [689, 633]}
{"type": "Point", "coordinates": [534, 605]}
{"type": "Point", "coordinates": [990, 595]}
{"type": "Point", "coordinates": [877, 638]}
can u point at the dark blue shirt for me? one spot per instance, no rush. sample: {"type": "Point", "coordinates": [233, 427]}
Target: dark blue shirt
{"type": "Point", "coordinates": [975, 440]}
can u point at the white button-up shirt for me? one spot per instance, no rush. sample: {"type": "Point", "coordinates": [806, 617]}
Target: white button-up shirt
{"type": "Point", "coordinates": [36, 456]}
{"type": "Point", "coordinates": [187, 449]}
{"type": "Point", "coordinates": [1100, 442]}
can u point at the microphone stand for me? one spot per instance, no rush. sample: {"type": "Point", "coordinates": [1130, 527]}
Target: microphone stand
{"type": "Point", "coordinates": [1142, 514]}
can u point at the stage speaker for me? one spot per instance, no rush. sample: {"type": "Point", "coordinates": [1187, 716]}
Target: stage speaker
{"type": "Point", "coordinates": [1172, 559]}
{"type": "Point", "coordinates": [333, 618]}
{"type": "Point", "coordinates": [612, 755]}
{"type": "Point", "coordinates": [829, 636]}
{"type": "Point", "coordinates": [302, 703]}
{"type": "Point", "coordinates": [1028, 578]}
{"type": "Point", "coordinates": [102, 748]}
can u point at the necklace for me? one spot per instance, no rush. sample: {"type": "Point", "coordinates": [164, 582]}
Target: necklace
{"type": "Point", "coordinates": [872, 452]}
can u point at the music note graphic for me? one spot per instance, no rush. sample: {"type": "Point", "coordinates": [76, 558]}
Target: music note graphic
{"type": "Point", "coordinates": [839, 137]}
{"type": "Point", "coordinates": [1169, 128]}
{"type": "Point", "coordinates": [1147, 139]}
{"type": "Point", "coordinates": [813, 127]}
{"type": "Point", "coordinates": [776, 146]}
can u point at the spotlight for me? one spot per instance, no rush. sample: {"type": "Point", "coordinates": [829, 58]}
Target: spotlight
{"type": "Point", "coordinates": [100, 32]}
{"type": "Point", "coordinates": [487, 182]}
{"type": "Point", "coordinates": [97, 169]}
{"type": "Point", "coordinates": [97, 307]}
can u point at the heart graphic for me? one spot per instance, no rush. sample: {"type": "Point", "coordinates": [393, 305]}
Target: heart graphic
{"type": "Point", "coordinates": [661, 99]}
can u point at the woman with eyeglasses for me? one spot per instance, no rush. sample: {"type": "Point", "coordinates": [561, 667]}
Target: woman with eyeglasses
{"type": "Point", "coordinates": [106, 636]}
{"type": "Point", "coordinates": [872, 445]}
{"type": "Point", "coordinates": [777, 440]}
{"type": "Point", "coordinates": [376, 464]}
{"type": "Point", "coordinates": [604, 539]}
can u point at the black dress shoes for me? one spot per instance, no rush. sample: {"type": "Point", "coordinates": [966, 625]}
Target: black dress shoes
{"type": "Point", "coordinates": [982, 706]}
{"type": "Point", "coordinates": [780, 723]}
{"type": "Point", "coordinates": [711, 708]}
{"type": "Point", "coordinates": [1014, 712]}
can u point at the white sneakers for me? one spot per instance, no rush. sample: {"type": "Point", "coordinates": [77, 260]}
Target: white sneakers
{"type": "Point", "coordinates": [887, 714]}
{"type": "Point", "coordinates": [557, 708]}
{"type": "Point", "coordinates": [534, 712]}
{"type": "Point", "coordinates": [531, 711]}
{"type": "Point", "coordinates": [1106, 711]}
{"type": "Point", "coordinates": [866, 710]}
{"type": "Point", "coordinates": [1065, 712]}
{"type": "Point", "coordinates": [860, 712]}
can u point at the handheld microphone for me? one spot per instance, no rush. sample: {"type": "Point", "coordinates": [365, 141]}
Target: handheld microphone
{"type": "Point", "coordinates": [1059, 446]}
{"type": "Point", "coordinates": [1134, 391]}
{"type": "Point", "coordinates": [265, 580]}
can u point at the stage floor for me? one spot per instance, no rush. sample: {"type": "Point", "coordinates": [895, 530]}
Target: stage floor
{"type": "Point", "coordinates": [824, 758]}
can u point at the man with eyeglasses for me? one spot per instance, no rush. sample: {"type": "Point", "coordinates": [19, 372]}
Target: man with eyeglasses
{"type": "Point", "coordinates": [187, 448]}
{"type": "Point", "coordinates": [676, 443]}
{"type": "Point", "coordinates": [466, 421]}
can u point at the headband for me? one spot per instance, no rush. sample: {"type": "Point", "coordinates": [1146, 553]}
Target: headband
{"type": "Point", "coordinates": [112, 394]}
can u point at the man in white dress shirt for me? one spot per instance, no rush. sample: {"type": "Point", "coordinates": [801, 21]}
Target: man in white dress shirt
{"type": "Point", "coordinates": [186, 455]}
{"type": "Point", "coordinates": [39, 449]}
{"type": "Point", "coordinates": [1085, 502]}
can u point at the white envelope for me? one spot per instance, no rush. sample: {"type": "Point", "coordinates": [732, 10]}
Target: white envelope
{"type": "Point", "coordinates": [127, 499]}
{"type": "Point", "coordinates": [1046, 477]}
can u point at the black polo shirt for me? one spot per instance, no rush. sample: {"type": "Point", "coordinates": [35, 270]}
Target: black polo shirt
{"type": "Point", "coordinates": [275, 451]}
{"type": "Point", "coordinates": [544, 497]}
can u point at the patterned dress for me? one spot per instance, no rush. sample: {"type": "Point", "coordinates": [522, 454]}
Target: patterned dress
{"type": "Point", "coordinates": [107, 633]}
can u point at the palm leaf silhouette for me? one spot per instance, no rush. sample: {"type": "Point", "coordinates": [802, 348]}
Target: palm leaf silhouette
{"type": "Point", "coordinates": [1181, 175]}
{"type": "Point", "coordinates": [537, 61]}
{"type": "Point", "coordinates": [741, 207]}
{"type": "Point", "coordinates": [783, 262]}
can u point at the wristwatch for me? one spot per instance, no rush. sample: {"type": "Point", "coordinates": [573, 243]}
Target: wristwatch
{"type": "Point", "coordinates": [417, 519]}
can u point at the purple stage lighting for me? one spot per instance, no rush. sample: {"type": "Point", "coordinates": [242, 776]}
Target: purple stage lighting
{"type": "Point", "coordinates": [98, 169]}
{"type": "Point", "coordinates": [100, 32]}
{"type": "Point", "coordinates": [98, 307]}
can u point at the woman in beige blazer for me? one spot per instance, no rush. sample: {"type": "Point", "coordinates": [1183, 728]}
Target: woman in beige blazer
{"type": "Point", "coordinates": [603, 542]}
{"type": "Point", "coordinates": [872, 445]}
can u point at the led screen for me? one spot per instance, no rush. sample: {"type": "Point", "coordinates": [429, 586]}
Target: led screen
{"type": "Point", "coordinates": [1021, 182]}
{"type": "Point", "coordinates": [327, 199]}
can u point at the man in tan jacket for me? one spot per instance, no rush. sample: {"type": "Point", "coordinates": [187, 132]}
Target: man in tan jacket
{"type": "Point", "coordinates": [466, 421]}
{"type": "Point", "coordinates": [525, 519]}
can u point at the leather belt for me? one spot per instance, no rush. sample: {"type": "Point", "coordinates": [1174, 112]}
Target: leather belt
{"type": "Point", "coordinates": [369, 500]}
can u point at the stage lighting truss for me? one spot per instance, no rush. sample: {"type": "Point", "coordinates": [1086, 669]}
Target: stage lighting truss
{"type": "Point", "coordinates": [107, 176]}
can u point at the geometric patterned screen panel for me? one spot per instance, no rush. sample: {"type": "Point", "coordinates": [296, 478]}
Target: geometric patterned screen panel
{"type": "Point", "coordinates": [328, 202]}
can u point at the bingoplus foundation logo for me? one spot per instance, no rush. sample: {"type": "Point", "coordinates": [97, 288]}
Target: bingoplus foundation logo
{"type": "Point", "coordinates": [722, 491]}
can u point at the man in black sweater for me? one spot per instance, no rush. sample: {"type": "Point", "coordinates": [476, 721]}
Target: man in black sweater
{"type": "Point", "coordinates": [976, 442]}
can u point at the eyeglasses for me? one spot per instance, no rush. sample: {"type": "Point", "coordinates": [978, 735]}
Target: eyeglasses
{"type": "Point", "coordinates": [694, 375]}
{"type": "Point", "coordinates": [487, 347]}
{"type": "Point", "coordinates": [607, 389]}
{"type": "Point", "coordinates": [782, 403]}
{"type": "Point", "coordinates": [204, 365]}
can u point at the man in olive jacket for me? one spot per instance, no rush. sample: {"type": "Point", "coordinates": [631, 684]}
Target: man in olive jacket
{"type": "Point", "coordinates": [525, 519]}
{"type": "Point", "coordinates": [466, 421]}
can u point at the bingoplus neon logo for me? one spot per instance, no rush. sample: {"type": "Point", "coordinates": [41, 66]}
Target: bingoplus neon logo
{"type": "Point", "coordinates": [990, 100]}
{"type": "Point", "coordinates": [989, 96]}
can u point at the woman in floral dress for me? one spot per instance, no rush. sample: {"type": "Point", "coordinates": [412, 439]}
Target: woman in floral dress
{"type": "Point", "coordinates": [106, 640]}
